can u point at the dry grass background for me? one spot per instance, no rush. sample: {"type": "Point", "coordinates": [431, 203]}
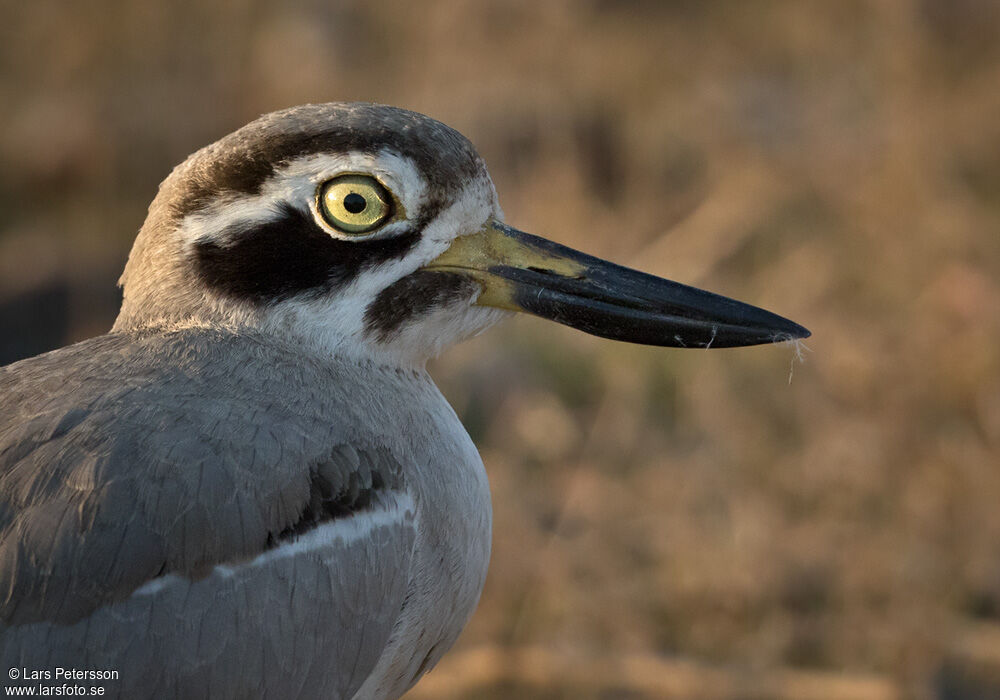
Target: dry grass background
{"type": "Point", "coordinates": [667, 523]}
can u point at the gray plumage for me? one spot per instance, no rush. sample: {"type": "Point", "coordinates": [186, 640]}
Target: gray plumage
{"type": "Point", "coordinates": [197, 455]}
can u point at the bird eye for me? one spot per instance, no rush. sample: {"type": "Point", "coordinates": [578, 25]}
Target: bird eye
{"type": "Point", "coordinates": [354, 203]}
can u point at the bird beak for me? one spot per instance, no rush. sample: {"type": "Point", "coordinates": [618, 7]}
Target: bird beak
{"type": "Point", "coordinates": [521, 272]}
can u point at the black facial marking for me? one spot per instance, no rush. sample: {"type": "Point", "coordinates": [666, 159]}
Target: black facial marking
{"type": "Point", "coordinates": [412, 297]}
{"type": "Point", "coordinates": [241, 162]}
{"type": "Point", "coordinates": [290, 255]}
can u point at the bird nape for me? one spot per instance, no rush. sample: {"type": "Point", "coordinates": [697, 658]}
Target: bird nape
{"type": "Point", "coordinates": [250, 487]}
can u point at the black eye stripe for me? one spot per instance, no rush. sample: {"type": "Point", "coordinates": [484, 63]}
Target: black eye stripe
{"type": "Point", "coordinates": [292, 255]}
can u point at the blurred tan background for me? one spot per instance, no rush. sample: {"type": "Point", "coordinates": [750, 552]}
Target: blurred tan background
{"type": "Point", "coordinates": [677, 524]}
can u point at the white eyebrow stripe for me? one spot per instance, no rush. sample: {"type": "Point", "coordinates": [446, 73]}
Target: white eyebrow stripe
{"type": "Point", "coordinates": [296, 183]}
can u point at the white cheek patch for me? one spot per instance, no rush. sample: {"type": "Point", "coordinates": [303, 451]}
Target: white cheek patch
{"type": "Point", "coordinates": [430, 334]}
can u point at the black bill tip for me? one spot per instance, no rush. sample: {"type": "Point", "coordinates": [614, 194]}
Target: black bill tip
{"type": "Point", "coordinates": [659, 312]}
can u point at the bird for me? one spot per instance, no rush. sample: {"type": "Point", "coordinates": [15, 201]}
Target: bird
{"type": "Point", "coordinates": [250, 486]}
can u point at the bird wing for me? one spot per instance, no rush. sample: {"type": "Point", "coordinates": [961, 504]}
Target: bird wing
{"type": "Point", "coordinates": [127, 464]}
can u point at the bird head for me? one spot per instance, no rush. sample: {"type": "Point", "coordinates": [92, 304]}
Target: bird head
{"type": "Point", "coordinates": [375, 233]}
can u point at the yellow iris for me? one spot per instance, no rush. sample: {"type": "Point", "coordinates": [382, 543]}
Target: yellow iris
{"type": "Point", "coordinates": [355, 203]}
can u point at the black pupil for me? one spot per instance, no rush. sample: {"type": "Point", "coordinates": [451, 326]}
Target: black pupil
{"type": "Point", "coordinates": [355, 203]}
